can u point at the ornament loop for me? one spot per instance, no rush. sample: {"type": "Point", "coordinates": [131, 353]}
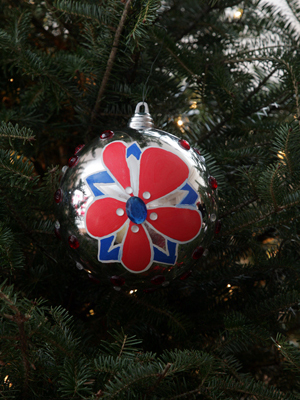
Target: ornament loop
{"type": "Point", "coordinates": [141, 120]}
{"type": "Point", "coordinates": [138, 108]}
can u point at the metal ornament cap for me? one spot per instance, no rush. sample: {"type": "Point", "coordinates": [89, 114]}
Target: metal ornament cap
{"type": "Point", "coordinates": [141, 120]}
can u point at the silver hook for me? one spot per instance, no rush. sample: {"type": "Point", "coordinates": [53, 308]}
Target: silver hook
{"type": "Point", "coordinates": [141, 104]}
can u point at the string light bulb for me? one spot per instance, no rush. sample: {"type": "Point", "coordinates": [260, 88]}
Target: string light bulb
{"type": "Point", "coordinates": [238, 14]}
{"type": "Point", "coordinates": [7, 381]}
{"type": "Point", "coordinates": [179, 122]}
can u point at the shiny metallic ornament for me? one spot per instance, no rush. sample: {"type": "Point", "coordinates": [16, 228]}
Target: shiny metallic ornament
{"type": "Point", "coordinates": [133, 203]}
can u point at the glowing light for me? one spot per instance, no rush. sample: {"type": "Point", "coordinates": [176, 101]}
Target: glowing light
{"type": "Point", "coordinates": [238, 14]}
{"type": "Point", "coordinates": [194, 105]}
{"type": "Point", "coordinates": [228, 285]}
{"type": "Point", "coordinates": [179, 122]}
{"type": "Point", "coordinates": [133, 291]}
{"type": "Point", "coordinates": [92, 312]}
{"type": "Point", "coordinates": [11, 80]}
{"type": "Point", "coordinates": [281, 155]}
{"type": "Point", "coordinates": [7, 381]}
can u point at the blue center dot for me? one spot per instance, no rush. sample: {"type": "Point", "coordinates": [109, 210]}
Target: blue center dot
{"type": "Point", "coordinates": [136, 210]}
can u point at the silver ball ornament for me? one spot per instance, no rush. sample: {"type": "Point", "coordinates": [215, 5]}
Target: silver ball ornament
{"type": "Point", "coordinates": [136, 206]}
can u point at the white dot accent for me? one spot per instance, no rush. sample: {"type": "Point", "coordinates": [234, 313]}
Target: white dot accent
{"type": "Point", "coordinates": [57, 224]}
{"type": "Point", "coordinates": [120, 212]}
{"type": "Point", "coordinates": [128, 190]}
{"type": "Point", "coordinates": [213, 217]}
{"type": "Point", "coordinates": [153, 216]}
{"type": "Point", "coordinates": [146, 195]}
{"type": "Point", "coordinates": [79, 266]}
{"type": "Point", "coordinates": [135, 228]}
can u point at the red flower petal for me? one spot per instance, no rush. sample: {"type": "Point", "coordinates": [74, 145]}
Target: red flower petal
{"type": "Point", "coordinates": [180, 224]}
{"type": "Point", "coordinates": [137, 251]}
{"type": "Point", "coordinates": [161, 172]}
{"type": "Point", "coordinates": [114, 157]}
{"type": "Point", "coordinates": [102, 218]}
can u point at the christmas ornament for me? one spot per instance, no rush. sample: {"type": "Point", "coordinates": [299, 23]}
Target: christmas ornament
{"type": "Point", "coordinates": [137, 206]}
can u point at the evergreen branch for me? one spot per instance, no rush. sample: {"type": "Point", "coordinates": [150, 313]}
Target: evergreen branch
{"type": "Point", "coordinates": [60, 22]}
{"type": "Point", "coordinates": [10, 303]}
{"type": "Point", "coordinates": [260, 85]}
{"type": "Point", "coordinates": [289, 352]}
{"type": "Point", "coordinates": [238, 207]}
{"type": "Point", "coordinates": [123, 345]}
{"type": "Point", "coordinates": [21, 188]}
{"type": "Point", "coordinates": [256, 49]}
{"type": "Point", "coordinates": [20, 320]}
{"type": "Point", "coordinates": [163, 40]}
{"type": "Point", "coordinates": [274, 175]}
{"type": "Point", "coordinates": [26, 229]}
{"type": "Point", "coordinates": [295, 85]}
{"type": "Point", "coordinates": [14, 132]}
{"type": "Point", "coordinates": [215, 129]}
{"type": "Point", "coordinates": [160, 378]}
{"type": "Point", "coordinates": [80, 9]}
{"type": "Point", "coordinates": [194, 24]}
{"type": "Point", "coordinates": [256, 220]}
{"type": "Point", "coordinates": [190, 72]}
{"type": "Point", "coordinates": [198, 390]}
{"type": "Point", "coordinates": [109, 65]}
{"type": "Point", "coordinates": [286, 152]}
{"type": "Point", "coordinates": [14, 172]}
{"type": "Point", "coordinates": [140, 17]}
{"type": "Point", "coordinates": [160, 311]}
{"type": "Point", "coordinates": [131, 382]}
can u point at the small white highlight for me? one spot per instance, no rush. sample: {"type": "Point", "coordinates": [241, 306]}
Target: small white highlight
{"type": "Point", "coordinates": [213, 217]}
{"type": "Point", "coordinates": [79, 266]}
{"type": "Point", "coordinates": [120, 212]}
{"type": "Point", "coordinates": [128, 190]}
{"type": "Point", "coordinates": [237, 14]}
{"type": "Point", "coordinates": [179, 122]}
{"type": "Point", "coordinates": [153, 216]}
{"type": "Point", "coordinates": [135, 228]}
{"type": "Point", "coordinates": [146, 195]}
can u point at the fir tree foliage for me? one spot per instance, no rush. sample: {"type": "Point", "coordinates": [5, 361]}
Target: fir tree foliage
{"type": "Point", "coordinates": [230, 71]}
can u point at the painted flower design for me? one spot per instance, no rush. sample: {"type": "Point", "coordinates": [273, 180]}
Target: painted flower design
{"type": "Point", "coordinates": [144, 178]}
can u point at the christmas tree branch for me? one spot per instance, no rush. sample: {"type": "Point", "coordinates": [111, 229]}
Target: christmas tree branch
{"type": "Point", "coordinates": [160, 378]}
{"type": "Point", "coordinates": [260, 85]}
{"type": "Point", "coordinates": [259, 219]}
{"type": "Point", "coordinates": [20, 320]}
{"type": "Point", "coordinates": [110, 64]}
{"type": "Point", "coordinates": [159, 311]}
{"type": "Point", "coordinates": [295, 86]}
{"type": "Point", "coordinates": [28, 232]}
{"type": "Point", "coordinates": [238, 207]}
{"type": "Point", "coordinates": [123, 345]}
